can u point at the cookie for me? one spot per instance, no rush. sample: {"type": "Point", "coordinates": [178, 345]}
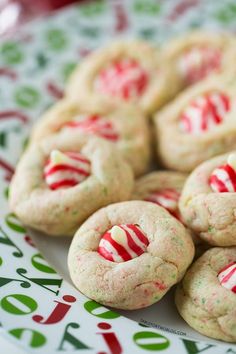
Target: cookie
{"type": "Point", "coordinates": [55, 192]}
{"type": "Point", "coordinates": [197, 55]}
{"type": "Point", "coordinates": [127, 71]}
{"type": "Point", "coordinates": [208, 200]}
{"type": "Point", "coordinates": [131, 252]}
{"type": "Point", "coordinates": [206, 297]}
{"type": "Point", "coordinates": [162, 188]}
{"type": "Point", "coordinates": [68, 123]}
{"type": "Point", "coordinates": [198, 124]}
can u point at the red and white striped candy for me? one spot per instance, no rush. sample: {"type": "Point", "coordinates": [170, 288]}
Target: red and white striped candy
{"type": "Point", "coordinates": [198, 62]}
{"type": "Point", "coordinates": [223, 178]}
{"type": "Point", "coordinates": [167, 198]}
{"type": "Point", "coordinates": [125, 79]}
{"type": "Point", "coordinates": [227, 277]}
{"type": "Point", "coordinates": [122, 243]}
{"type": "Point", "coordinates": [64, 170]}
{"type": "Point", "coordinates": [94, 124]}
{"type": "Point", "coordinates": [204, 113]}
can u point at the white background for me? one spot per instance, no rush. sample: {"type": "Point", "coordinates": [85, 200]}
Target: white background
{"type": "Point", "coordinates": [7, 347]}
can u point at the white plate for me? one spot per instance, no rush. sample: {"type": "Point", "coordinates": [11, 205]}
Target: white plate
{"type": "Point", "coordinates": [39, 308]}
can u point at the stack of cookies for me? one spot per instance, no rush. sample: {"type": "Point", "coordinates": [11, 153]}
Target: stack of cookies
{"type": "Point", "coordinates": [89, 172]}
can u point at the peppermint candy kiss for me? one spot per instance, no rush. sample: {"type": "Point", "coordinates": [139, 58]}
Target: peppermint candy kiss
{"type": "Point", "coordinates": [227, 277]}
{"type": "Point", "coordinates": [94, 124]}
{"type": "Point", "coordinates": [125, 79]}
{"type": "Point", "coordinates": [223, 178]}
{"type": "Point", "coordinates": [198, 62]}
{"type": "Point", "coordinates": [167, 198]}
{"type": "Point", "coordinates": [204, 113]}
{"type": "Point", "coordinates": [122, 243]}
{"type": "Point", "coordinates": [64, 170]}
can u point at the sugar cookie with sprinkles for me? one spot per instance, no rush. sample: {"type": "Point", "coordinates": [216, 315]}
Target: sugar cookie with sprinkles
{"type": "Point", "coordinates": [198, 55]}
{"type": "Point", "coordinates": [132, 253]}
{"type": "Point", "coordinates": [199, 124]}
{"type": "Point", "coordinates": [56, 191]}
{"type": "Point", "coordinates": [128, 71]}
{"type": "Point", "coordinates": [68, 123]}
{"type": "Point", "coordinates": [208, 200]}
{"type": "Point", "coordinates": [206, 297]}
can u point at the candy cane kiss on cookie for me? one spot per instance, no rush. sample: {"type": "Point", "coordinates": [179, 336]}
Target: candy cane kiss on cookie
{"type": "Point", "coordinates": [64, 170]}
{"type": "Point", "coordinates": [199, 124]}
{"type": "Point", "coordinates": [131, 253]}
{"type": "Point", "coordinates": [208, 200]}
{"type": "Point", "coordinates": [122, 243]}
{"type": "Point", "coordinates": [94, 124]}
{"type": "Point", "coordinates": [204, 112]}
{"type": "Point", "coordinates": [198, 62]}
{"type": "Point", "coordinates": [223, 178]}
{"type": "Point", "coordinates": [54, 192]}
{"type": "Point", "coordinates": [227, 277]}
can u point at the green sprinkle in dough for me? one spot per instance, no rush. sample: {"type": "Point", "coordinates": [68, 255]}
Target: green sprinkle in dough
{"type": "Point", "coordinates": [211, 229]}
